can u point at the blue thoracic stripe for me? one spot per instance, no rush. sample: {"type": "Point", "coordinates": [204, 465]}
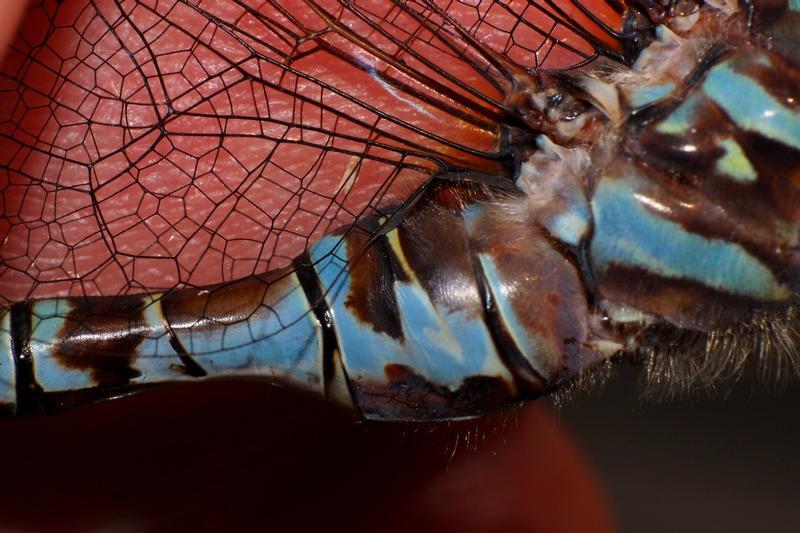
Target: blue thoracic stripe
{"type": "Point", "coordinates": [645, 95]}
{"type": "Point", "coordinates": [626, 233]}
{"type": "Point", "coordinates": [683, 117]}
{"type": "Point", "coordinates": [734, 162]}
{"type": "Point", "coordinates": [750, 106]}
{"type": "Point", "coordinates": [8, 377]}
{"type": "Point", "coordinates": [439, 344]}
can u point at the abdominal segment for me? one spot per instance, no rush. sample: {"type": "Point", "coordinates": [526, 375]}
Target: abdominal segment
{"type": "Point", "coordinates": [411, 325]}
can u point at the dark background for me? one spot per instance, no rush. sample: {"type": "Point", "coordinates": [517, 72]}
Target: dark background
{"type": "Point", "coordinates": [712, 464]}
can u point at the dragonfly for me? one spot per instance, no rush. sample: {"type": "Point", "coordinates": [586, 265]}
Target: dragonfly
{"type": "Point", "coordinates": [419, 210]}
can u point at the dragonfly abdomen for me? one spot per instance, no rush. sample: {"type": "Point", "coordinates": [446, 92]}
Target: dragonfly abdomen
{"type": "Point", "coordinates": [66, 351]}
{"type": "Point", "coordinates": [455, 312]}
{"type": "Point", "coordinates": [418, 323]}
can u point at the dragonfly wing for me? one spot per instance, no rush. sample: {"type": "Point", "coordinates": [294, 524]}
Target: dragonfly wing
{"type": "Point", "coordinates": [150, 145]}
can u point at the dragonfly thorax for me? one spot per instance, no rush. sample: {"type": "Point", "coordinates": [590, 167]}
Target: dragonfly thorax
{"type": "Point", "coordinates": [685, 205]}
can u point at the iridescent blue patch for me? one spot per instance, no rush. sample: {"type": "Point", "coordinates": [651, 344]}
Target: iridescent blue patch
{"type": "Point", "coordinates": [750, 106]}
{"type": "Point", "coordinates": [649, 94]}
{"type": "Point", "coordinates": [8, 374]}
{"type": "Point", "coordinates": [629, 233]}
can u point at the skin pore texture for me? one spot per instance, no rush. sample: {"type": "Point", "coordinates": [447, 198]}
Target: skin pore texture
{"type": "Point", "coordinates": [239, 454]}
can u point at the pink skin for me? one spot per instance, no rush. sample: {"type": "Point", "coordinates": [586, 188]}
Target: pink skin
{"type": "Point", "coordinates": [530, 477]}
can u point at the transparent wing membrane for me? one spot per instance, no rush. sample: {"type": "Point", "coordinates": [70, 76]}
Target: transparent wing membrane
{"type": "Point", "coordinates": [147, 145]}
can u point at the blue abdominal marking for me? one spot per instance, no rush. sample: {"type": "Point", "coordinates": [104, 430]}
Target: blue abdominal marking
{"type": "Point", "coordinates": [452, 344]}
{"type": "Point", "coordinates": [364, 351]}
{"type": "Point", "coordinates": [8, 371]}
{"type": "Point", "coordinates": [48, 321]}
{"type": "Point", "coordinates": [259, 345]}
{"type": "Point", "coordinates": [525, 340]}
{"type": "Point", "coordinates": [281, 339]}
{"type": "Point", "coordinates": [444, 345]}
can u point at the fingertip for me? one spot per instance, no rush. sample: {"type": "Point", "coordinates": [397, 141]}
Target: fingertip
{"type": "Point", "coordinates": [535, 479]}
